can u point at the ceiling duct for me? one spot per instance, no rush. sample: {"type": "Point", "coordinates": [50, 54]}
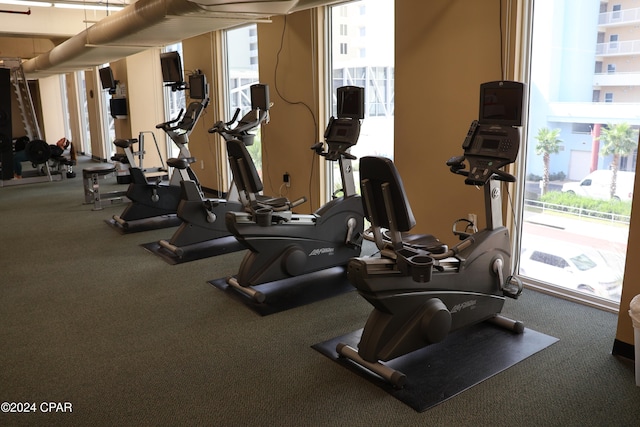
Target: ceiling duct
{"type": "Point", "coordinates": [151, 23]}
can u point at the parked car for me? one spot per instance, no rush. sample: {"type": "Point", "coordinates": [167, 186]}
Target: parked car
{"type": "Point", "coordinates": [572, 267]}
{"type": "Point", "coordinates": [598, 185]}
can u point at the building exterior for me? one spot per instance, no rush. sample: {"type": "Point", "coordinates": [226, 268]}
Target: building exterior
{"type": "Point", "coordinates": [585, 74]}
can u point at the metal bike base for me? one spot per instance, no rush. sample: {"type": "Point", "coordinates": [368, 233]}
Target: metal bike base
{"type": "Point", "coordinates": [147, 224]}
{"type": "Point", "coordinates": [207, 249]}
{"type": "Point", "coordinates": [292, 292]}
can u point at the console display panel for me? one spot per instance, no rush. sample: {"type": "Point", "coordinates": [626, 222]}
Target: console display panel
{"type": "Point", "coordinates": [171, 67]}
{"type": "Point", "coordinates": [260, 97]}
{"type": "Point", "coordinates": [118, 108]}
{"type": "Point", "coordinates": [106, 78]}
{"type": "Point", "coordinates": [501, 103]}
{"type": "Point", "coordinates": [198, 86]}
{"type": "Point", "coordinates": [350, 102]}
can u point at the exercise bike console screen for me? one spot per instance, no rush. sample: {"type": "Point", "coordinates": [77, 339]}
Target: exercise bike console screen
{"type": "Point", "coordinates": [260, 97]}
{"type": "Point", "coordinates": [493, 140]}
{"type": "Point", "coordinates": [501, 103]}
{"type": "Point", "coordinates": [343, 132]}
{"type": "Point", "coordinates": [350, 100]}
{"type": "Point", "coordinates": [198, 86]}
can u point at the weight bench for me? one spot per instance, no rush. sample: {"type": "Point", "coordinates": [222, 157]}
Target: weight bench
{"type": "Point", "coordinates": [92, 193]}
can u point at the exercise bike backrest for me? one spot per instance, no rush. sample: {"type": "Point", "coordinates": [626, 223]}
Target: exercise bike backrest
{"type": "Point", "coordinates": [249, 184]}
{"type": "Point", "coordinates": [244, 170]}
{"type": "Point", "coordinates": [385, 201]}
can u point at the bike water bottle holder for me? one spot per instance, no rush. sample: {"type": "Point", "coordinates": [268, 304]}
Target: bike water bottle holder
{"type": "Point", "coordinates": [415, 263]}
{"type": "Point", "coordinates": [263, 216]}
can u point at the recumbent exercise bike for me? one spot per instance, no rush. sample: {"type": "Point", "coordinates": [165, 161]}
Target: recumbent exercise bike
{"type": "Point", "coordinates": [286, 246]}
{"type": "Point", "coordinates": [420, 289]}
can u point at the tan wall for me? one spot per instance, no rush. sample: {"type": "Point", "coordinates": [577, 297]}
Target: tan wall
{"type": "Point", "coordinates": [444, 51]}
{"type": "Point", "coordinates": [201, 53]}
{"type": "Point", "coordinates": [631, 283]}
{"type": "Point", "coordinates": [53, 120]}
{"type": "Point", "coordinates": [122, 126]}
{"type": "Point", "coordinates": [74, 111]}
{"type": "Point", "coordinates": [287, 139]}
{"type": "Point", "coordinates": [17, 47]}
{"type": "Point", "coordinates": [141, 82]}
{"type": "Point", "coordinates": [93, 106]}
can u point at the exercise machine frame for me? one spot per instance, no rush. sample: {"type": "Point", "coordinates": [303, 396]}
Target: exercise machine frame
{"type": "Point", "coordinates": [423, 292]}
{"type": "Point", "coordinates": [289, 247]}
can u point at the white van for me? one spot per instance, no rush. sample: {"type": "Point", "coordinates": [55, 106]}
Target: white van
{"type": "Point", "coordinates": [597, 185]}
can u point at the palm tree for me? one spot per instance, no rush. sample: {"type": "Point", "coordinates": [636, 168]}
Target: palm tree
{"type": "Point", "coordinates": [548, 143]}
{"type": "Point", "coordinates": [619, 139]}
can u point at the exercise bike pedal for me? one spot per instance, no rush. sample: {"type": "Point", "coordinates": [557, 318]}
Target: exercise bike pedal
{"type": "Point", "coordinates": [512, 287]}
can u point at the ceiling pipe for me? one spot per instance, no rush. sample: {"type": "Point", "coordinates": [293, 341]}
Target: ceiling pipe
{"type": "Point", "coordinates": [153, 23]}
{"type": "Point", "coordinates": [28, 12]}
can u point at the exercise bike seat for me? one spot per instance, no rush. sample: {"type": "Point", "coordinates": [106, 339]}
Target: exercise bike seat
{"type": "Point", "coordinates": [125, 143]}
{"type": "Point", "coordinates": [180, 162]}
{"type": "Point", "coordinates": [426, 242]}
{"type": "Point", "coordinates": [387, 207]}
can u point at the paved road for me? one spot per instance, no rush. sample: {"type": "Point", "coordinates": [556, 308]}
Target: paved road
{"type": "Point", "coordinates": [609, 240]}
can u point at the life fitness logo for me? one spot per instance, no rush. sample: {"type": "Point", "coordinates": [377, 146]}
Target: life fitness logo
{"type": "Point", "coordinates": [495, 193]}
{"type": "Point", "coordinates": [322, 251]}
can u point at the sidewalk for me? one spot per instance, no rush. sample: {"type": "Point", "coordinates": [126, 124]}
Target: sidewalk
{"type": "Point", "coordinates": [594, 229]}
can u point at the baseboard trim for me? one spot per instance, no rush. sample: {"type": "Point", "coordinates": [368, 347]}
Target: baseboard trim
{"type": "Point", "coordinates": [623, 349]}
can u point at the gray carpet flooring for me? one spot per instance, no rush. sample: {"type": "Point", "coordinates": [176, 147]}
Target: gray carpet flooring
{"type": "Point", "coordinates": [87, 316]}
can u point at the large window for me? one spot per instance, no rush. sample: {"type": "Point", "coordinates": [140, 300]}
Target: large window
{"type": "Point", "coordinates": [109, 125]}
{"type": "Point", "coordinates": [175, 100]}
{"type": "Point", "coordinates": [362, 54]}
{"type": "Point", "coordinates": [241, 46]}
{"type": "Point", "coordinates": [581, 154]}
{"type": "Point", "coordinates": [85, 137]}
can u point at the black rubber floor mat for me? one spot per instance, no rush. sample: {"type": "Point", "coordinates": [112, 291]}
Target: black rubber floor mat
{"type": "Point", "coordinates": [441, 371]}
{"type": "Point", "coordinates": [293, 292]}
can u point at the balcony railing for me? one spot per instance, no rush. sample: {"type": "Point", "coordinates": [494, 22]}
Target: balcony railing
{"type": "Point", "coordinates": [577, 212]}
{"type": "Point", "coordinates": [627, 47]}
{"type": "Point", "coordinates": [594, 112]}
{"type": "Point", "coordinates": [620, 17]}
{"type": "Point", "coordinates": [616, 79]}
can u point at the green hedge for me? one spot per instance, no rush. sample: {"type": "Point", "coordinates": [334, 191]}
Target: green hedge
{"type": "Point", "coordinates": [574, 203]}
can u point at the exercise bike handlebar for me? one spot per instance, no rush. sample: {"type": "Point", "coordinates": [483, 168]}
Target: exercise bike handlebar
{"type": "Point", "coordinates": [331, 154]}
{"type": "Point", "coordinates": [166, 126]}
{"type": "Point", "coordinates": [220, 126]}
{"type": "Point", "coordinates": [242, 127]}
{"type": "Point", "coordinates": [457, 166]}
